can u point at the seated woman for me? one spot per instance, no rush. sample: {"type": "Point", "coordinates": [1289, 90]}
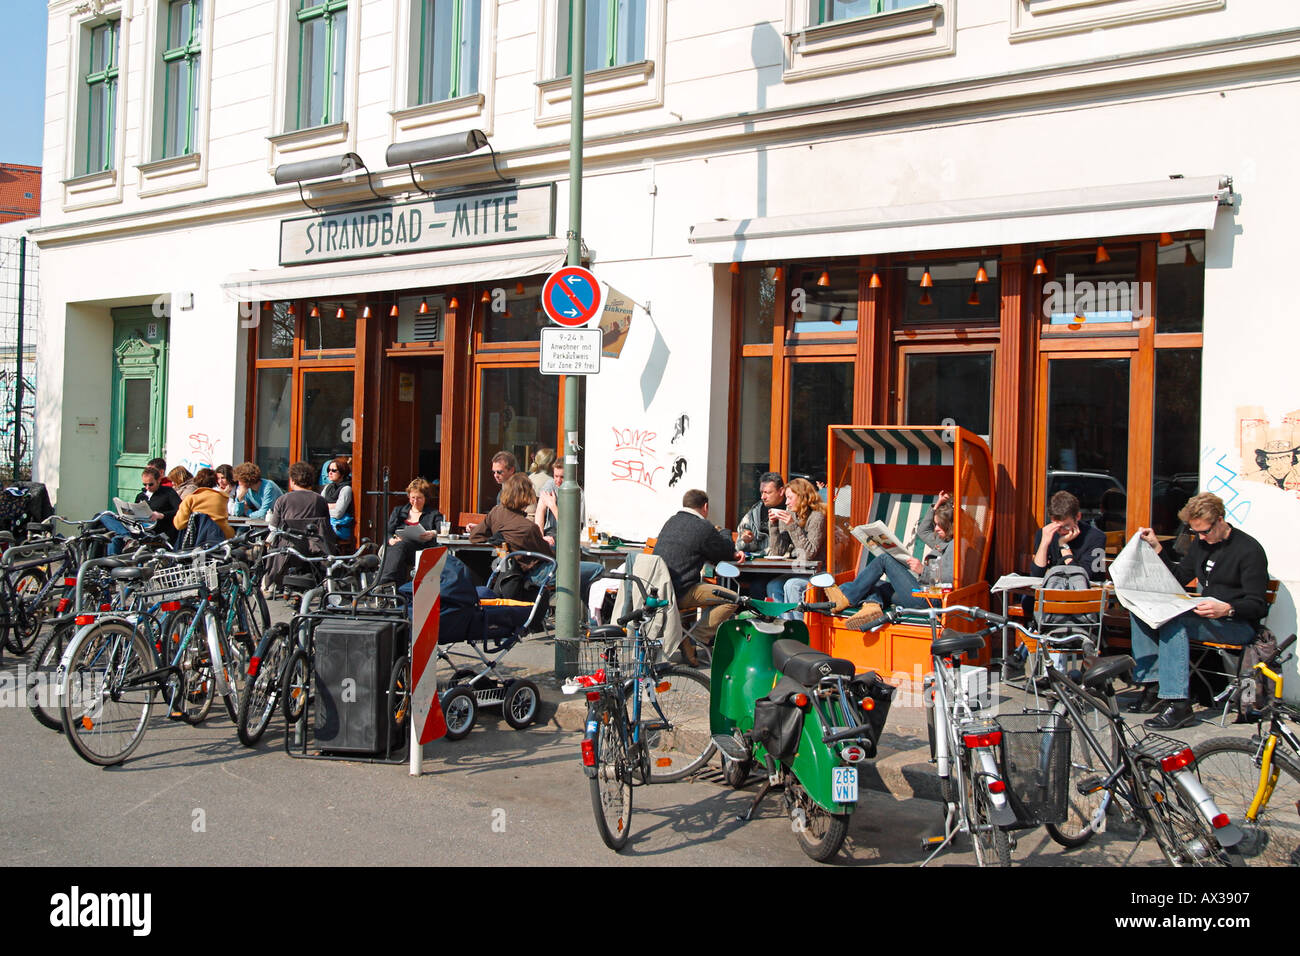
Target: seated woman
{"type": "Point", "coordinates": [510, 520]}
{"type": "Point", "coordinates": [886, 580]}
{"type": "Point", "coordinates": [226, 485]}
{"type": "Point", "coordinates": [337, 492]}
{"type": "Point", "coordinates": [798, 529]}
{"type": "Point", "coordinates": [182, 481]}
{"type": "Point", "coordinates": [205, 499]}
{"type": "Point", "coordinates": [417, 520]}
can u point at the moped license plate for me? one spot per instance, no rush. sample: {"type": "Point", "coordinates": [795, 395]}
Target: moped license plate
{"type": "Point", "coordinates": [844, 784]}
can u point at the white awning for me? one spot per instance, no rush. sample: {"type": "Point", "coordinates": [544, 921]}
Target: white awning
{"type": "Point", "coordinates": [1169, 205]}
{"type": "Point", "coordinates": [357, 276]}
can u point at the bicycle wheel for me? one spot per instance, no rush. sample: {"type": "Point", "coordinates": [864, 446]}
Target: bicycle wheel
{"type": "Point", "coordinates": [295, 687]}
{"type": "Point", "coordinates": [42, 695]}
{"type": "Point", "coordinates": [257, 701]}
{"type": "Point", "coordinates": [1229, 769]}
{"type": "Point", "coordinates": [992, 845]}
{"type": "Point", "coordinates": [29, 611]}
{"type": "Point", "coordinates": [611, 787]}
{"type": "Point", "coordinates": [1085, 812]}
{"type": "Point", "coordinates": [399, 694]}
{"type": "Point", "coordinates": [1185, 838]}
{"type": "Point", "coordinates": [105, 702]}
{"type": "Point", "coordinates": [676, 734]}
{"type": "Point", "coordinates": [197, 688]}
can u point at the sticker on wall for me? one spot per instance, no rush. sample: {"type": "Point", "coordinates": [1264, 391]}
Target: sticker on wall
{"type": "Point", "coordinates": [679, 428]}
{"type": "Point", "coordinates": [679, 469]}
{"type": "Point", "coordinates": [1270, 452]}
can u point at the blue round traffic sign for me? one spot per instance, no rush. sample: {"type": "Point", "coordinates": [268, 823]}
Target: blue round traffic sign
{"type": "Point", "coordinates": [571, 296]}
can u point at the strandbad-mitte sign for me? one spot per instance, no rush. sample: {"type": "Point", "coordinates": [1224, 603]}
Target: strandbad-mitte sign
{"type": "Point", "coordinates": [470, 218]}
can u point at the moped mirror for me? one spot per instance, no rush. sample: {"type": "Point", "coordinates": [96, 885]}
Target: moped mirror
{"type": "Point", "coordinates": [725, 569]}
{"type": "Point", "coordinates": [823, 580]}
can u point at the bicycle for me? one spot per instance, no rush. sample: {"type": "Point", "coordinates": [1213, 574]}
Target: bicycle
{"type": "Point", "coordinates": [621, 748]}
{"type": "Point", "coordinates": [1148, 778]}
{"type": "Point", "coordinates": [1258, 781]}
{"type": "Point", "coordinates": [964, 743]}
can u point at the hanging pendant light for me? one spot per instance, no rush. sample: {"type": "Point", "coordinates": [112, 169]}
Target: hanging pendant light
{"type": "Point", "coordinates": [340, 314]}
{"type": "Point", "coordinates": [454, 304]}
{"type": "Point", "coordinates": [1040, 267]}
{"type": "Point", "coordinates": [393, 312]}
{"type": "Point", "coordinates": [315, 311]}
{"type": "Point", "coordinates": [519, 288]}
{"type": "Point", "coordinates": [824, 280]}
{"type": "Point", "coordinates": [424, 307]}
{"type": "Point", "coordinates": [981, 276]}
{"type": "Point", "coordinates": [1102, 254]}
{"type": "Point", "coordinates": [366, 313]}
{"type": "Point", "coordinates": [266, 306]}
{"type": "Point", "coordinates": [293, 309]}
{"type": "Point", "coordinates": [926, 281]}
{"type": "Point", "coordinates": [486, 297]}
{"type": "Point", "coordinates": [778, 274]}
{"type": "Point", "coordinates": [874, 282]}
{"type": "Point", "coordinates": [734, 269]}
{"type": "Point", "coordinates": [1166, 239]}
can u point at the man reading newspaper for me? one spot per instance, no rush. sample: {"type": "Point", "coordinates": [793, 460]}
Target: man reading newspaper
{"type": "Point", "coordinates": [1232, 571]}
{"type": "Point", "coordinates": [887, 579]}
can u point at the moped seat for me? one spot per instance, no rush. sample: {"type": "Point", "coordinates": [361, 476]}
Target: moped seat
{"type": "Point", "coordinates": [1103, 671]}
{"type": "Point", "coordinates": [952, 643]}
{"type": "Point", "coordinates": [800, 662]}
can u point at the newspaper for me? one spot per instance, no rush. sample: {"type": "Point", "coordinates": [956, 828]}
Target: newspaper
{"type": "Point", "coordinates": [877, 538]}
{"type": "Point", "coordinates": [133, 509]}
{"type": "Point", "coordinates": [1146, 586]}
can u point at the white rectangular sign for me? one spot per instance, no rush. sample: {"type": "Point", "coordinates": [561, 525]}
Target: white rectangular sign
{"type": "Point", "coordinates": [470, 218]}
{"type": "Point", "coordinates": [570, 351]}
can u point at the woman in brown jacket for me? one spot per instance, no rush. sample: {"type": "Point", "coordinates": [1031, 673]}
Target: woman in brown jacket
{"type": "Point", "coordinates": [205, 499]}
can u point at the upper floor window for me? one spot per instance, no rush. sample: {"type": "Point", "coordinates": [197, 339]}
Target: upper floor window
{"type": "Point", "coordinates": [448, 55]}
{"type": "Point", "coordinates": [826, 11]}
{"type": "Point", "coordinates": [615, 34]}
{"type": "Point", "coordinates": [101, 98]}
{"type": "Point", "coordinates": [180, 57]}
{"type": "Point", "coordinates": [322, 53]}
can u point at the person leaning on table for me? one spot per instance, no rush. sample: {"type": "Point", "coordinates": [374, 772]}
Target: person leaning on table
{"type": "Point", "coordinates": [1232, 570]}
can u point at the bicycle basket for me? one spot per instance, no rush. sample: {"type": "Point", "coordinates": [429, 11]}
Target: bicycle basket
{"type": "Point", "coordinates": [612, 656]}
{"type": "Point", "coordinates": [1036, 765]}
{"type": "Point", "coordinates": [181, 579]}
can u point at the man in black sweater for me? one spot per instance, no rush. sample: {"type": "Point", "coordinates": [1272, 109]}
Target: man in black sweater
{"type": "Point", "coordinates": [1232, 571]}
{"type": "Point", "coordinates": [686, 542]}
{"type": "Point", "coordinates": [1065, 539]}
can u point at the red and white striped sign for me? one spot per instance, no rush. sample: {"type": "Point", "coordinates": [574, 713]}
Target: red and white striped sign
{"type": "Point", "coordinates": [429, 722]}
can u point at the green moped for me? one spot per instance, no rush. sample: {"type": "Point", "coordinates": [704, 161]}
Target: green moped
{"type": "Point", "coordinates": [802, 715]}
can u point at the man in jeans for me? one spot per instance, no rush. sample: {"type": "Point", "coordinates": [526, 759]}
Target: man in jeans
{"type": "Point", "coordinates": [886, 580]}
{"type": "Point", "coordinates": [1232, 571]}
{"type": "Point", "coordinates": [688, 540]}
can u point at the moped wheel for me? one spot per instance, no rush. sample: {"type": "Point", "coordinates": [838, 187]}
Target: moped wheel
{"type": "Point", "coordinates": [736, 772]}
{"type": "Point", "coordinates": [992, 844]}
{"type": "Point", "coordinates": [611, 787]}
{"type": "Point", "coordinates": [820, 833]}
{"type": "Point", "coordinates": [678, 740]}
{"type": "Point", "coordinates": [1228, 768]}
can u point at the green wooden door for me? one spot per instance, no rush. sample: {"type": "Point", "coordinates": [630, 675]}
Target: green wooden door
{"type": "Point", "coordinates": [139, 397]}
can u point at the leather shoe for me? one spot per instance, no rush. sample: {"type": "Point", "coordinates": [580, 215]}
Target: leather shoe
{"type": "Point", "coordinates": [1177, 714]}
{"type": "Point", "coordinates": [1149, 702]}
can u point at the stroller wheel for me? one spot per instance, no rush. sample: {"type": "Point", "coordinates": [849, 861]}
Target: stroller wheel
{"type": "Point", "coordinates": [522, 701]}
{"type": "Point", "coordinates": [459, 708]}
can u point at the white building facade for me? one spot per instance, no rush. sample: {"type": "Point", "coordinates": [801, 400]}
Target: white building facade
{"type": "Point", "coordinates": [1058, 224]}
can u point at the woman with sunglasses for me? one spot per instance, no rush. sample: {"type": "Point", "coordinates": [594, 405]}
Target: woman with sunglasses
{"type": "Point", "coordinates": [337, 492]}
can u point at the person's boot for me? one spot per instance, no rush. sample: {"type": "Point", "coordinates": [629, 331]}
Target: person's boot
{"type": "Point", "coordinates": [836, 596]}
{"type": "Point", "coordinates": [1149, 702]}
{"type": "Point", "coordinates": [865, 618]}
{"type": "Point", "coordinates": [1177, 713]}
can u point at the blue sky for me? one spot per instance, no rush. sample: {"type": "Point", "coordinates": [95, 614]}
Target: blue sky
{"type": "Point", "coordinates": [22, 77]}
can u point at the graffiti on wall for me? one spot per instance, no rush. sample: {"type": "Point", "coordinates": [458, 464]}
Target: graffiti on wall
{"type": "Point", "coordinates": [1270, 452]}
{"type": "Point", "coordinates": [635, 459]}
{"type": "Point", "coordinates": [202, 452]}
{"type": "Point", "coordinates": [1224, 480]}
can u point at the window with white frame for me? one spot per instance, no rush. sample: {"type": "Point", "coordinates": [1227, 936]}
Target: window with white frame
{"type": "Point", "coordinates": [826, 11]}
{"type": "Point", "coordinates": [615, 35]}
{"type": "Point", "coordinates": [321, 56]}
{"type": "Point", "coordinates": [99, 89]}
{"type": "Point", "coordinates": [447, 38]}
{"type": "Point", "coordinates": [182, 48]}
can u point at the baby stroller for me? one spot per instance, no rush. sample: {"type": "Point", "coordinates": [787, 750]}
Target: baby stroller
{"type": "Point", "coordinates": [489, 625]}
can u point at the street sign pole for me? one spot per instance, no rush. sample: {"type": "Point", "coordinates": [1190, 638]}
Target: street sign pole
{"type": "Point", "coordinates": [566, 532]}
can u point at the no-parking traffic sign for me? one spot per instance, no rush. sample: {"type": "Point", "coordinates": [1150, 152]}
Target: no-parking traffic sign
{"type": "Point", "coordinates": [571, 296]}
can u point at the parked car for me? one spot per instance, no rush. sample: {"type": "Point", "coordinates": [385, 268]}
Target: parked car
{"type": "Point", "coordinates": [1102, 499]}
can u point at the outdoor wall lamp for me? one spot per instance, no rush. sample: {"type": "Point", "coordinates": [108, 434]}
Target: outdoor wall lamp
{"type": "Point", "coordinates": [434, 148]}
{"type": "Point", "coordinates": [329, 167]}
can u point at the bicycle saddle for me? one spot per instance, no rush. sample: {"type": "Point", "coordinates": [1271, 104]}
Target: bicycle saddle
{"type": "Point", "coordinates": [800, 662]}
{"type": "Point", "coordinates": [131, 574]}
{"type": "Point", "coordinates": [605, 632]}
{"type": "Point", "coordinates": [1099, 674]}
{"type": "Point", "coordinates": [955, 643]}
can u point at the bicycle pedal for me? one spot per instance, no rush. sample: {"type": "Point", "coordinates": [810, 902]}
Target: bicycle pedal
{"type": "Point", "coordinates": [927, 842]}
{"type": "Point", "coordinates": [1088, 785]}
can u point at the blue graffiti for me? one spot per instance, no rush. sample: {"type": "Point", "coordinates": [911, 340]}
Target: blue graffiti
{"type": "Point", "coordinates": [1235, 504]}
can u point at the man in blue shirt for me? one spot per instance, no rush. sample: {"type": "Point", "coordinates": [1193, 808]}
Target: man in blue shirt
{"type": "Point", "coordinates": [256, 494]}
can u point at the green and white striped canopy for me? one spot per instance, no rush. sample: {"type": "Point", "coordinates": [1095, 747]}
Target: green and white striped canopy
{"type": "Point", "coordinates": [900, 446]}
